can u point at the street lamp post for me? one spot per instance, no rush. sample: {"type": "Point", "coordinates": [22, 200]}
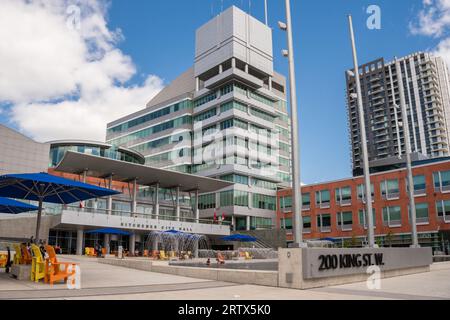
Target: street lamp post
{"type": "Point", "coordinates": [365, 154]}
{"type": "Point", "coordinates": [297, 209]}
{"type": "Point", "coordinates": [405, 121]}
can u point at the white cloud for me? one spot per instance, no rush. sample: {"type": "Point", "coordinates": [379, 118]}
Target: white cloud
{"type": "Point", "coordinates": [434, 21]}
{"type": "Point", "coordinates": [65, 82]}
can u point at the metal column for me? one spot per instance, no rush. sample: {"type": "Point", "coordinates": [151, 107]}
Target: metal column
{"type": "Point", "coordinates": [365, 154]}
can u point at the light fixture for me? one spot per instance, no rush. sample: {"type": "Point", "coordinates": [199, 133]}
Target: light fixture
{"type": "Point", "coordinates": [282, 25]}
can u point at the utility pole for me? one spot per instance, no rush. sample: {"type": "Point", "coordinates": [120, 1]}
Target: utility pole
{"type": "Point", "coordinates": [297, 197]}
{"type": "Point", "coordinates": [365, 154]}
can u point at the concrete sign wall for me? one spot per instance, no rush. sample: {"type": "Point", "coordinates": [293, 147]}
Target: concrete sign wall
{"type": "Point", "coordinates": [305, 268]}
{"type": "Point", "coordinates": [323, 263]}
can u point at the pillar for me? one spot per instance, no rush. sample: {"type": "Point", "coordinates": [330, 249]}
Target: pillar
{"type": "Point", "coordinates": [270, 83]}
{"type": "Point", "coordinates": [132, 244]}
{"type": "Point", "coordinates": [106, 240]}
{"type": "Point", "coordinates": [80, 240]}
{"type": "Point", "coordinates": [233, 222]}
{"type": "Point", "coordinates": [197, 84]}
{"type": "Point", "coordinates": [109, 202]}
{"type": "Point", "coordinates": [156, 201]}
{"type": "Point", "coordinates": [246, 68]}
{"type": "Point", "coordinates": [196, 210]}
{"type": "Point", "coordinates": [177, 204]}
{"type": "Point", "coordinates": [133, 197]}
{"type": "Point", "coordinates": [220, 68]}
{"type": "Point", "coordinates": [248, 223]}
{"type": "Point", "coordinates": [233, 62]}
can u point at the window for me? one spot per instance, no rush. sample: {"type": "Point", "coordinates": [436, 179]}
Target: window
{"type": "Point", "coordinates": [263, 115]}
{"type": "Point", "coordinates": [207, 201]}
{"type": "Point", "coordinates": [307, 224]}
{"type": "Point", "coordinates": [205, 115]}
{"type": "Point", "coordinates": [286, 204]}
{"type": "Point", "coordinates": [362, 192]}
{"type": "Point", "coordinates": [392, 217]}
{"type": "Point", "coordinates": [389, 189]}
{"type": "Point", "coordinates": [323, 198]}
{"type": "Point", "coordinates": [233, 105]}
{"type": "Point", "coordinates": [261, 201]}
{"type": "Point", "coordinates": [324, 222]}
{"type": "Point", "coordinates": [422, 216]}
{"type": "Point", "coordinates": [442, 181]}
{"type": "Point", "coordinates": [344, 196]}
{"type": "Point", "coordinates": [233, 123]}
{"type": "Point", "coordinates": [264, 184]}
{"type": "Point", "coordinates": [363, 219]}
{"type": "Point", "coordinates": [419, 185]}
{"type": "Point", "coordinates": [306, 201]}
{"type": "Point", "coordinates": [234, 198]}
{"type": "Point", "coordinates": [286, 224]}
{"type": "Point", "coordinates": [258, 223]}
{"type": "Point", "coordinates": [345, 221]}
{"type": "Point", "coordinates": [205, 99]}
{"type": "Point", "coordinates": [443, 210]}
{"type": "Point", "coordinates": [236, 178]}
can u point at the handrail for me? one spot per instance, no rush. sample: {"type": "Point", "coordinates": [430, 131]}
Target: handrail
{"type": "Point", "coordinates": [144, 216]}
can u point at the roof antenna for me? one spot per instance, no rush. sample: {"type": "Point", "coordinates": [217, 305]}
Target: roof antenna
{"type": "Point", "coordinates": [265, 13]}
{"type": "Point", "coordinates": [221, 7]}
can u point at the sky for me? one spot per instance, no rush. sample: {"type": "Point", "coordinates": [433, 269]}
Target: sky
{"type": "Point", "coordinates": [69, 67]}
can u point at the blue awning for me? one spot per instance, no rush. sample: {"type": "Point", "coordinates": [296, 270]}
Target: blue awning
{"type": "Point", "coordinates": [15, 207]}
{"type": "Point", "coordinates": [240, 238]}
{"type": "Point", "coordinates": [49, 188]}
{"type": "Point", "coordinates": [109, 231]}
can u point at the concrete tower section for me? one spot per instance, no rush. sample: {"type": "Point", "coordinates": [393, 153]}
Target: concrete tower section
{"type": "Point", "coordinates": [226, 117]}
{"type": "Point", "coordinates": [426, 85]}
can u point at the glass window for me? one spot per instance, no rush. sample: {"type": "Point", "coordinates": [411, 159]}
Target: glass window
{"type": "Point", "coordinates": [207, 201]}
{"type": "Point", "coordinates": [442, 180]}
{"type": "Point", "coordinates": [344, 196]}
{"type": "Point", "coordinates": [236, 178]}
{"type": "Point", "coordinates": [421, 213]}
{"type": "Point", "coordinates": [286, 202]}
{"type": "Point", "coordinates": [286, 223]}
{"type": "Point", "coordinates": [419, 183]}
{"type": "Point", "coordinates": [324, 222]}
{"type": "Point", "coordinates": [362, 192]}
{"type": "Point", "coordinates": [261, 223]}
{"type": "Point", "coordinates": [323, 198]}
{"type": "Point", "coordinates": [363, 220]}
{"type": "Point", "coordinates": [205, 115]}
{"type": "Point", "coordinates": [392, 216]}
{"type": "Point", "coordinates": [390, 189]}
{"type": "Point", "coordinates": [265, 202]}
{"type": "Point", "coordinates": [306, 223]}
{"type": "Point", "coordinates": [345, 220]}
{"type": "Point", "coordinates": [443, 210]}
{"type": "Point", "coordinates": [306, 201]}
{"type": "Point", "coordinates": [234, 198]}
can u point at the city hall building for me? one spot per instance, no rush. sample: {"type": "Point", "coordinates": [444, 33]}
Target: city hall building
{"type": "Point", "coordinates": [150, 199]}
{"type": "Point", "coordinates": [336, 210]}
{"type": "Point", "coordinates": [226, 118]}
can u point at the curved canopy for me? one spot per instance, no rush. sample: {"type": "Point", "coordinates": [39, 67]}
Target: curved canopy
{"type": "Point", "coordinates": [15, 207]}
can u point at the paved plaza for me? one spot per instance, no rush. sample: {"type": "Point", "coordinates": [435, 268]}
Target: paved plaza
{"type": "Point", "coordinates": [101, 281]}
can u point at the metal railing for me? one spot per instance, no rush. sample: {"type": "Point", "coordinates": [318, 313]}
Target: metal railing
{"type": "Point", "coordinates": [128, 214]}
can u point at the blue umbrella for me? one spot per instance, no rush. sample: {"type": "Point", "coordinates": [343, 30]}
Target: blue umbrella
{"type": "Point", "coordinates": [42, 187]}
{"type": "Point", "coordinates": [15, 207]}
{"type": "Point", "coordinates": [240, 238]}
{"type": "Point", "coordinates": [109, 231]}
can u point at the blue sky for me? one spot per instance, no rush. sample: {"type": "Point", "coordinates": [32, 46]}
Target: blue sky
{"type": "Point", "coordinates": [159, 38]}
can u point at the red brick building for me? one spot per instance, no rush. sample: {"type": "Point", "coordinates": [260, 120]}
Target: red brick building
{"type": "Point", "coordinates": [337, 209]}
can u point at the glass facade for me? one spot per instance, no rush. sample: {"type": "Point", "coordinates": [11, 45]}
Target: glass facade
{"type": "Point", "coordinates": [57, 152]}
